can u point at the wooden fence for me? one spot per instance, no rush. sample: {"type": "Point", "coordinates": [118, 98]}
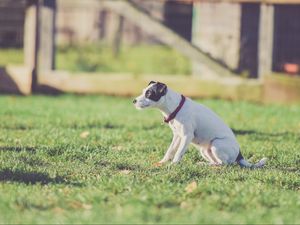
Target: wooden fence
{"type": "Point", "coordinates": [11, 23]}
{"type": "Point", "coordinates": [39, 51]}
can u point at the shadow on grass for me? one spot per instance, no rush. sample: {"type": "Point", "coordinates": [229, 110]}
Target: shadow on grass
{"type": "Point", "coordinates": [95, 124]}
{"type": "Point", "coordinates": [48, 90]}
{"type": "Point", "coordinates": [263, 134]}
{"type": "Point", "coordinates": [19, 127]}
{"type": "Point", "coordinates": [7, 84]}
{"type": "Point", "coordinates": [118, 166]}
{"type": "Point", "coordinates": [284, 169]}
{"type": "Point", "coordinates": [17, 149]}
{"type": "Point", "coordinates": [127, 166]}
{"type": "Point", "coordinates": [152, 126]}
{"type": "Point", "coordinates": [8, 175]}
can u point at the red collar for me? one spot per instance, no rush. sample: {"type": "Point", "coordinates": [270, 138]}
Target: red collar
{"type": "Point", "coordinates": [173, 114]}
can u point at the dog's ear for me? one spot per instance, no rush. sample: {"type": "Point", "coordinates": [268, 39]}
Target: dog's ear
{"type": "Point", "coordinates": [151, 82]}
{"type": "Point", "coordinates": [161, 88]}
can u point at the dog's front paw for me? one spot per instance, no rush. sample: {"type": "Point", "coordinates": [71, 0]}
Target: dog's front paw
{"type": "Point", "coordinates": [158, 164]}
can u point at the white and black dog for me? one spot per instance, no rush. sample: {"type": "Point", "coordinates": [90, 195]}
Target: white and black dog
{"type": "Point", "coordinates": [193, 123]}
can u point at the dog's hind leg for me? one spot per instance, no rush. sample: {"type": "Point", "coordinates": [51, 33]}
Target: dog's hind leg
{"type": "Point", "coordinates": [214, 160]}
{"type": "Point", "coordinates": [225, 151]}
{"type": "Point", "coordinates": [204, 154]}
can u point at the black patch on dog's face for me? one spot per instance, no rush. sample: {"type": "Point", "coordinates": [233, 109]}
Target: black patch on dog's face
{"type": "Point", "coordinates": [155, 92]}
{"type": "Point", "coordinates": [151, 82]}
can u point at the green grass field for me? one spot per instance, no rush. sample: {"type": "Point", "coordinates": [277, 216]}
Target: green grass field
{"type": "Point", "coordinates": [141, 59]}
{"type": "Point", "coordinates": [89, 159]}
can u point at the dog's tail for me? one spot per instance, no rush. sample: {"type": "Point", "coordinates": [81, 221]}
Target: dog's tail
{"type": "Point", "coordinates": [244, 163]}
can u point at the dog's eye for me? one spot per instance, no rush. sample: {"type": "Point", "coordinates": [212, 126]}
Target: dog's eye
{"type": "Point", "coordinates": [148, 94]}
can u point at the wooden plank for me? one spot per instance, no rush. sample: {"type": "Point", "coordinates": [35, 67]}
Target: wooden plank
{"type": "Point", "coordinates": [15, 80]}
{"type": "Point", "coordinates": [13, 15]}
{"type": "Point", "coordinates": [31, 39]}
{"type": "Point", "coordinates": [47, 35]}
{"type": "Point", "coordinates": [265, 40]}
{"type": "Point", "coordinates": [248, 1]}
{"type": "Point", "coordinates": [237, 1]}
{"type": "Point", "coordinates": [257, 1]}
{"type": "Point", "coordinates": [7, 28]}
{"type": "Point", "coordinates": [234, 88]}
{"type": "Point", "coordinates": [12, 4]}
{"type": "Point", "coordinates": [164, 34]}
{"type": "Point", "coordinates": [281, 88]}
{"type": "Point", "coordinates": [10, 24]}
{"type": "Point", "coordinates": [217, 30]}
{"type": "Point", "coordinates": [117, 39]}
{"type": "Point", "coordinates": [30, 35]}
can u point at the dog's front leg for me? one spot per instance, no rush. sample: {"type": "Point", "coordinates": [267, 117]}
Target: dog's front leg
{"type": "Point", "coordinates": [171, 150]}
{"type": "Point", "coordinates": [184, 143]}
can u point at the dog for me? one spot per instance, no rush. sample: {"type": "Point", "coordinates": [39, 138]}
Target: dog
{"type": "Point", "coordinates": [194, 123]}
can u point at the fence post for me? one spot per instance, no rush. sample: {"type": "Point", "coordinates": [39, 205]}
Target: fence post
{"type": "Point", "coordinates": [31, 39]}
{"type": "Point", "coordinates": [265, 44]}
{"type": "Point", "coordinates": [47, 35]}
{"type": "Point", "coordinates": [118, 36]}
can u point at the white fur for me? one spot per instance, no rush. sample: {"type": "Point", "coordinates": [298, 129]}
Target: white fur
{"type": "Point", "coordinates": [196, 124]}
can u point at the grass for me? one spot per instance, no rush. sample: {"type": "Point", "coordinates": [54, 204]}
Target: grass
{"type": "Point", "coordinates": [142, 59]}
{"type": "Point", "coordinates": [49, 174]}
{"type": "Point", "coordinates": [11, 56]}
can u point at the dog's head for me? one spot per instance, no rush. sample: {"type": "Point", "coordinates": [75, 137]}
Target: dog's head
{"type": "Point", "coordinates": [152, 95]}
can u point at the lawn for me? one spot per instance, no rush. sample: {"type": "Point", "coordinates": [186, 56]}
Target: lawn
{"type": "Point", "coordinates": [140, 59]}
{"type": "Point", "coordinates": [89, 159]}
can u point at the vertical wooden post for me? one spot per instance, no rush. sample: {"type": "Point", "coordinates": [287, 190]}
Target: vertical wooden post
{"type": "Point", "coordinates": [102, 24]}
{"type": "Point", "coordinates": [118, 36]}
{"type": "Point", "coordinates": [265, 44]}
{"type": "Point", "coordinates": [47, 35]}
{"type": "Point", "coordinates": [31, 39]}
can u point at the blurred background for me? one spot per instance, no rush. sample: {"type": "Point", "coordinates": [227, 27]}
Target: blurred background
{"type": "Point", "coordinates": [234, 49]}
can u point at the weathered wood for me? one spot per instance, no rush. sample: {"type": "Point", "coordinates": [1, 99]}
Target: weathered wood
{"type": "Point", "coordinates": [234, 1]}
{"type": "Point", "coordinates": [29, 34]}
{"type": "Point", "coordinates": [253, 1]}
{"type": "Point", "coordinates": [31, 39]}
{"type": "Point", "coordinates": [279, 1]}
{"type": "Point", "coordinates": [279, 88]}
{"type": "Point", "coordinates": [47, 35]}
{"type": "Point", "coordinates": [217, 30]}
{"type": "Point", "coordinates": [234, 88]}
{"type": "Point", "coordinates": [102, 22]}
{"type": "Point", "coordinates": [265, 43]}
{"type": "Point", "coordinates": [164, 34]}
{"type": "Point", "coordinates": [118, 36]}
{"type": "Point", "coordinates": [15, 80]}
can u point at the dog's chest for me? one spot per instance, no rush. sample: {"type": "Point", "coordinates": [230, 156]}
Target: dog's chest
{"type": "Point", "coordinates": [175, 126]}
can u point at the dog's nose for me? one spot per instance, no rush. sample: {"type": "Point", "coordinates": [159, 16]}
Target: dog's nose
{"type": "Point", "coordinates": [134, 101]}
